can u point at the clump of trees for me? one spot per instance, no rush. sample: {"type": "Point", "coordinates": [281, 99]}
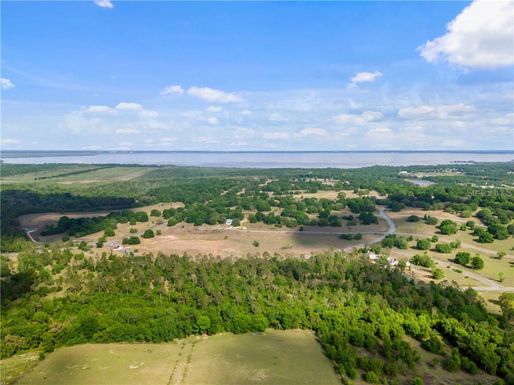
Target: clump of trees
{"type": "Point", "coordinates": [464, 258]}
{"type": "Point", "coordinates": [422, 260]}
{"type": "Point", "coordinates": [132, 240]}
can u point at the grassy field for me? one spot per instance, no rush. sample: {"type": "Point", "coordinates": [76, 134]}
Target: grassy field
{"type": "Point", "coordinates": [220, 240]}
{"type": "Point", "coordinates": [83, 174]}
{"type": "Point", "coordinates": [274, 357]}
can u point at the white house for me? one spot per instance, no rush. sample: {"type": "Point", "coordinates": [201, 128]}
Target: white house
{"type": "Point", "coordinates": [228, 222]}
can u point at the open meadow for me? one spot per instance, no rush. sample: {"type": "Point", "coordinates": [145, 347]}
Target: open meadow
{"type": "Point", "coordinates": [290, 357]}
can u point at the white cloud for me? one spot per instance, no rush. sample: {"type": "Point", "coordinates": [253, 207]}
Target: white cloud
{"type": "Point", "coordinates": [206, 140]}
{"type": "Point", "coordinates": [104, 3]}
{"type": "Point", "coordinates": [6, 84]}
{"type": "Point", "coordinates": [359, 119]}
{"type": "Point", "coordinates": [214, 109]}
{"type": "Point", "coordinates": [443, 111]}
{"type": "Point", "coordinates": [276, 117]}
{"type": "Point", "coordinates": [379, 131]}
{"type": "Point", "coordinates": [129, 106]}
{"type": "Point", "coordinates": [243, 132]}
{"type": "Point", "coordinates": [481, 36]}
{"type": "Point", "coordinates": [127, 131]}
{"type": "Point", "coordinates": [276, 135]}
{"type": "Point", "coordinates": [506, 120]}
{"type": "Point", "coordinates": [363, 77]}
{"type": "Point", "coordinates": [246, 112]}
{"type": "Point", "coordinates": [168, 139]}
{"type": "Point", "coordinates": [100, 110]}
{"type": "Point", "coordinates": [173, 90]}
{"type": "Point", "coordinates": [127, 145]}
{"type": "Point", "coordinates": [313, 131]}
{"type": "Point", "coordinates": [213, 95]}
{"type": "Point", "coordinates": [9, 142]}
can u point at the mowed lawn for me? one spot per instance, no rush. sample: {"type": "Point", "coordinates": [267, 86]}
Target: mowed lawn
{"type": "Point", "coordinates": [275, 357]}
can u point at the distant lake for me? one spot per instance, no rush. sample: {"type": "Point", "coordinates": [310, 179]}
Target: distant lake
{"type": "Point", "coordinates": [257, 159]}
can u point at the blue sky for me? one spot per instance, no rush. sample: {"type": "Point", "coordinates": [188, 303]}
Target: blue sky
{"type": "Point", "coordinates": [257, 76]}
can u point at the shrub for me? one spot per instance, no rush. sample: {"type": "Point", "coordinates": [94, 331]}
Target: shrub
{"type": "Point", "coordinates": [477, 263]}
{"type": "Point", "coordinates": [413, 218]}
{"type": "Point", "coordinates": [433, 344]}
{"type": "Point", "coordinates": [371, 377]}
{"type": "Point", "coordinates": [430, 220]}
{"type": "Point", "coordinates": [452, 363]}
{"type": "Point", "coordinates": [422, 260]}
{"type": "Point", "coordinates": [148, 234]}
{"type": "Point", "coordinates": [109, 233]}
{"type": "Point", "coordinates": [133, 240]}
{"type": "Point", "coordinates": [155, 213]}
{"type": "Point", "coordinates": [172, 222]}
{"type": "Point", "coordinates": [443, 248]}
{"type": "Point", "coordinates": [468, 365]}
{"type": "Point", "coordinates": [448, 227]}
{"type": "Point", "coordinates": [437, 274]}
{"type": "Point", "coordinates": [255, 243]}
{"type": "Point", "coordinates": [423, 244]}
{"type": "Point", "coordinates": [462, 258]}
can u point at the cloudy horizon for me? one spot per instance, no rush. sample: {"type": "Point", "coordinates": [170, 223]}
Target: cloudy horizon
{"type": "Point", "coordinates": [440, 78]}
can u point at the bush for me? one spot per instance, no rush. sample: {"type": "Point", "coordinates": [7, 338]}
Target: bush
{"type": "Point", "coordinates": [437, 274]}
{"type": "Point", "coordinates": [148, 234]}
{"type": "Point", "coordinates": [172, 222]}
{"type": "Point", "coordinates": [462, 258]}
{"type": "Point", "coordinates": [443, 248]}
{"type": "Point", "coordinates": [133, 230]}
{"type": "Point", "coordinates": [477, 263]}
{"type": "Point", "coordinates": [372, 378]}
{"type": "Point", "coordinates": [430, 220]}
{"type": "Point", "coordinates": [448, 227]}
{"type": "Point", "coordinates": [413, 218]}
{"type": "Point", "coordinates": [423, 244]}
{"type": "Point", "coordinates": [255, 243]}
{"type": "Point", "coordinates": [433, 344]}
{"type": "Point", "coordinates": [452, 363]}
{"type": "Point", "coordinates": [155, 213]}
{"type": "Point", "coordinates": [109, 233]}
{"type": "Point", "coordinates": [468, 365]}
{"type": "Point", "coordinates": [133, 240]}
{"type": "Point", "coordinates": [422, 260]}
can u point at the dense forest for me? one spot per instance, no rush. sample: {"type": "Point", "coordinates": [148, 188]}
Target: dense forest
{"type": "Point", "coordinates": [55, 298]}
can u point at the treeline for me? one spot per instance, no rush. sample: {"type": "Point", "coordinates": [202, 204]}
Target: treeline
{"type": "Point", "coordinates": [18, 202]}
{"type": "Point", "coordinates": [82, 226]}
{"type": "Point", "coordinates": [360, 312]}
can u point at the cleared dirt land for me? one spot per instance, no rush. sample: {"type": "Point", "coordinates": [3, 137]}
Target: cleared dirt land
{"type": "Point", "coordinates": [274, 357]}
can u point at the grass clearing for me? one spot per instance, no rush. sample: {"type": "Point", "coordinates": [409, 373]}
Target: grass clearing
{"type": "Point", "coordinates": [274, 357]}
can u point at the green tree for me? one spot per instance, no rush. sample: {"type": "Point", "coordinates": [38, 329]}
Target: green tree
{"type": "Point", "coordinates": [462, 258]}
{"type": "Point", "coordinates": [148, 234]}
{"type": "Point", "coordinates": [423, 244]}
{"type": "Point", "coordinates": [437, 274]}
{"type": "Point", "coordinates": [477, 263]}
{"type": "Point", "coordinates": [448, 227]}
